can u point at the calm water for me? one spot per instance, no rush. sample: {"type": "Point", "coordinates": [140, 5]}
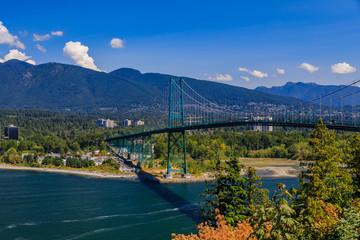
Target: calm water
{"type": "Point", "coordinates": [38, 205]}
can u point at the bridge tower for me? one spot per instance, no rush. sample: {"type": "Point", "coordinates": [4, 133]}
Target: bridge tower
{"type": "Point", "coordinates": [176, 137]}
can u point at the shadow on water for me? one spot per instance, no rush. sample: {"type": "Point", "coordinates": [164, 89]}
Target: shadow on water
{"type": "Point", "coordinates": [183, 205]}
{"type": "Point", "coordinates": [189, 209]}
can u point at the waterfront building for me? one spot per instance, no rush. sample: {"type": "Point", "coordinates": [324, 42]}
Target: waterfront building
{"type": "Point", "coordinates": [11, 132]}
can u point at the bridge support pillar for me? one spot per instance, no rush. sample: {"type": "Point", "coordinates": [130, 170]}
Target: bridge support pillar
{"type": "Point", "coordinates": [176, 140]}
{"type": "Point", "coordinates": [176, 153]}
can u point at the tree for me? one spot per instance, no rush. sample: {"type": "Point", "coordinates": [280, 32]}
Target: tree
{"type": "Point", "coordinates": [353, 162]}
{"type": "Point", "coordinates": [227, 194]}
{"type": "Point", "coordinates": [11, 156]}
{"type": "Point", "coordinates": [30, 158]}
{"type": "Point", "coordinates": [232, 195]}
{"type": "Point", "coordinates": [255, 194]}
{"type": "Point", "coordinates": [277, 219]}
{"type": "Point", "coordinates": [57, 161]}
{"type": "Point", "coordinates": [325, 185]}
{"type": "Point", "coordinates": [325, 179]}
{"type": "Point", "coordinates": [48, 160]}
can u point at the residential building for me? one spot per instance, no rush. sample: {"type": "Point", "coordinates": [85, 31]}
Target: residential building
{"type": "Point", "coordinates": [105, 123]}
{"type": "Point", "coordinates": [139, 123]}
{"type": "Point", "coordinates": [126, 122]}
{"type": "Point", "coordinates": [11, 132]}
{"type": "Point", "coordinates": [263, 128]}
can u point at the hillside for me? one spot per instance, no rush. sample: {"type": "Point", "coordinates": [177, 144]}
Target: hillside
{"type": "Point", "coordinates": [55, 86]}
{"type": "Point", "coordinates": [307, 91]}
{"type": "Point", "coordinates": [213, 91]}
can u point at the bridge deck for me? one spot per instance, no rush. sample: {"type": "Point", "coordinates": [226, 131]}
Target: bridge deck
{"type": "Point", "coordinates": [234, 124]}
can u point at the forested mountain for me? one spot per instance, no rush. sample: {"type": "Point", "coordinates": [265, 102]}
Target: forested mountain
{"type": "Point", "coordinates": [213, 91]}
{"type": "Point", "coordinates": [55, 86]}
{"type": "Point", "coordinates": [307, 91]}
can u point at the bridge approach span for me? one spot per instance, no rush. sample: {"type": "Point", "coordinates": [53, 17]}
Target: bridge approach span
{"type": "Point", "coordinates": [349, 127]}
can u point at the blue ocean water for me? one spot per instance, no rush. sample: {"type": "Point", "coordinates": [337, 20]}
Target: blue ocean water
{"type": "Point", "coordinates": [40, 205]}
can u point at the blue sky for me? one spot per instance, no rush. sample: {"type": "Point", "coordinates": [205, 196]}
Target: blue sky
{"type": "Point", "coordinates": [243, 43]}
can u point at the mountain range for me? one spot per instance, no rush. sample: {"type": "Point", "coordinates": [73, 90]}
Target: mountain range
{"type": "Point", "coordinates": [308, 91]}
{"type": "Point", "coordinates": [55, 86]}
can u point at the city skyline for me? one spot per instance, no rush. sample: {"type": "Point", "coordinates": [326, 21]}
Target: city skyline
{"type": "Point", "coordinates": [248, 44]}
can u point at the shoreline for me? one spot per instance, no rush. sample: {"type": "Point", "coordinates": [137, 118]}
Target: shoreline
{"type": "Point", "coordinates": [95, 174]}
{"type": "Point", "coordinates": [70, 171]}
{"type": "Point", "coordinates": [263, 171]}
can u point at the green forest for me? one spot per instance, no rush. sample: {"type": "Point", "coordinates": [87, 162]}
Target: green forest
{"type": "Point", "coordinates": [43, 132]}
{"type": "Point", "coordinates": [326, 205]}
{"type": "Point", "coordinates": [205, 148]}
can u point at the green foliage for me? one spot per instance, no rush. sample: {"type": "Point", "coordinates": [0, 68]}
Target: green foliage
{"type": "Point", "coordinates": [349, 225]}
{"type": "Point", "coordinates": [353, 162]}
{"type": "Point", "coordinates": [256, 195]}
{"type": "Point", "coordinates": [323, 207]}
{"type": "Point", "coordinates": [278, 214]}
{"type": "Point", "coordinates": [56, 161]}
{"type": "Point", "coordinates": [227, 194]}
{"type": "Point", "coordinates": [74, 162]}
{"type": "Point", "coordinates": [30, 158]}
{"type": "Point", "coordinates": [232, 195]}
{"type": "Point", "coordinates": [205, 148]}
{"type": "Point", "coordinates": [111, 162]}
{"type": "Point", "coordinates": [11, 156]}
{"type": "Point", "coordinates": [325, 179]}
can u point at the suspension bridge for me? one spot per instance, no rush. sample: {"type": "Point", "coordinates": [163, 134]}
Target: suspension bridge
{"type": "Point", "coordinates": [188, 110]}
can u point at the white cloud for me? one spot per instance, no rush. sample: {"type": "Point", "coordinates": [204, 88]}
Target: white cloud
{"type": "Point", "coordinates": [8, 38]}
{"type": "Point", "coordinates": [309, 67]}
{"type": "Point", "coordinates": [57, 33]}
{"type": "Point", "coordinates": [280, 71]}
{"type": "Point", "coordinates": [41, 48]}
{"type": "Point", "coordinates": [78, 53]}
{"type": "Point", "coordinates": [31, 62]}
{"type": "Point", "coordinates": [38, 38]}
{"type": "Point", "coordinates": [23, 33]}
{"type": "Point", "coordinates": [117, 43]}
{"type": "Point", "coordinates": [342, 68]}
{"type": "Point", "coordinates": [221, 78]}
{"type": "Point", "coordinates": [245, 78]}
{"type": "Point", "coordinates": [16, 54]}
{"type": "Point", "coordinates": [255, 73]}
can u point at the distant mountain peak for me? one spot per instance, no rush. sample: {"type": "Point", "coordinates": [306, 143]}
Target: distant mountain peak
{"type": "Point", "coordinates": [307, 91]}
{"type": "Point", "coordinates": [129, 73]}
{"type": "Point", "coordinates": [16, 62]}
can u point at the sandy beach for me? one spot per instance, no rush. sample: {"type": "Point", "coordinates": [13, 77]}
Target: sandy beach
{"type": "Point", "coordinates": [71, 171]}
{"type": "Point", "coordinates": [276, 168]}
{"type": "Point", "coordinates": [273, 167]}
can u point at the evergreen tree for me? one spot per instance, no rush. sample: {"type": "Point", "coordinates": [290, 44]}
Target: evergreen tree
{"type": "Point", "coordinates": [227, 195]}
{"type": "Point", "coordinates": [353, 162]}
{"type": "Point", "coordinates": [325, 178]}
{"type": "Point", "coordinates": [232, 195]}
{"type": "Point", "coordinates": [325, 183]}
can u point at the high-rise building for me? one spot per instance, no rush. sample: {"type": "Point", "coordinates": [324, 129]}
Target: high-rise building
{"type": "Point", "coordinates": [263, 128]}
{"type": "Point", "coordinates": [105, 123]}
{"type": "Point", "coordinates": [11, 132]}
{"type": "Point", "coordinates": [126, 122]}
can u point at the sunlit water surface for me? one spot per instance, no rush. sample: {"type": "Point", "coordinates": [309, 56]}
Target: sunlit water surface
{"type": "Point", "coordinates": [40, 205]}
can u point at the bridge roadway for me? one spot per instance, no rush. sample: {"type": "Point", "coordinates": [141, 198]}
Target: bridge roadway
{"type": "Point", "coordinates": [347, 127]}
